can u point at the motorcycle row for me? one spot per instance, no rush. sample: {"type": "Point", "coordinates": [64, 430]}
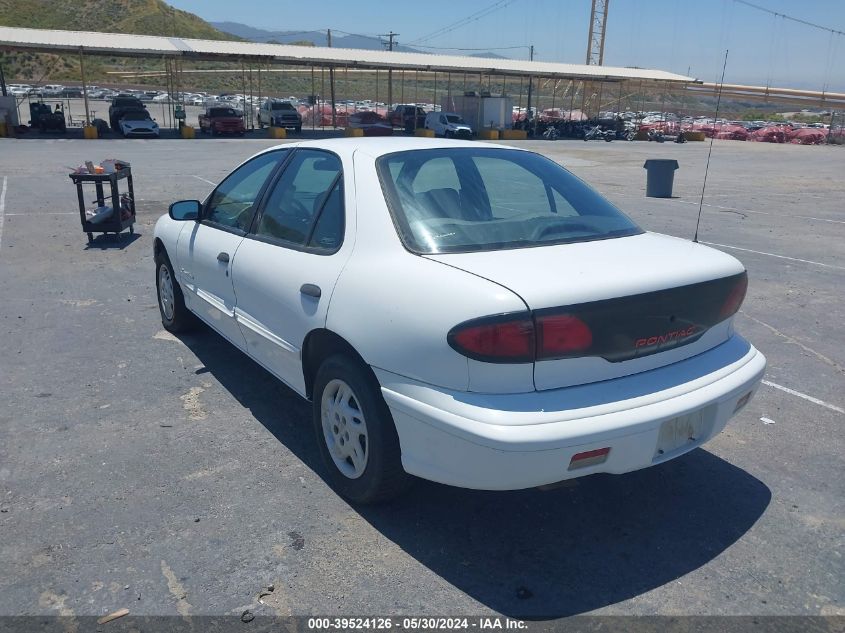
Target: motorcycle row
{"type": "Point", "coordinates": [599, 131]}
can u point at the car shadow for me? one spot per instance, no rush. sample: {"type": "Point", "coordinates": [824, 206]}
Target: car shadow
{"type": "Point", "coordinates": [533, 554]}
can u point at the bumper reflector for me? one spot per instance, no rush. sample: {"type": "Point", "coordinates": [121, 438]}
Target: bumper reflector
{"type": "Point", "coordinates": [589, 458]}
{"type": "Point", "coordinates": [742, 401]}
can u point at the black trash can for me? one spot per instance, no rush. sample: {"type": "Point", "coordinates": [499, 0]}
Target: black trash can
{"type": "Point", "coordinates": [660, 177]}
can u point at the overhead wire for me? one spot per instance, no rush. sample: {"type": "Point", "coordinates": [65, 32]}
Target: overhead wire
{"type": "Point", "coordinates": [789, 17]}
{"type": "Point", "coordinates": [473, 17]}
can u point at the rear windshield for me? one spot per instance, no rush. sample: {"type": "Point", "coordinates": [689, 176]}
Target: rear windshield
{"type": "Point", "coordinates": [460, 200]}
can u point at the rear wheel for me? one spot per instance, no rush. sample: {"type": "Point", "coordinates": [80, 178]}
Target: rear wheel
{"type": "Point", "coordinates": [355, 433]}
{"type": "Point", "coordinates": [175, 316]}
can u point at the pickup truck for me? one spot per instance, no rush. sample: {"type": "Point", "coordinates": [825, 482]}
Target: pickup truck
{"type": "Point", "coordinates": [221, 120]}
{"type": "Point", "coordinates": [409, 117]}
{"type": "Point", "coordinates": [276, 112]}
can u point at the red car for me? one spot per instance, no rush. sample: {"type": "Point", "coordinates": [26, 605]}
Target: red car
{"type": "Point", "coordinates": [222, 120]}
{"type": "Point", "coordinates": [372, 123]}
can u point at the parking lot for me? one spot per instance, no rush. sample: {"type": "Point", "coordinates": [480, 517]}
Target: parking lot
{"type": "Point", "coordinates": [175, 476]}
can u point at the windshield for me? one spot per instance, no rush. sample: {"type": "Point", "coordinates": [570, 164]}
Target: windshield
{"type": "Point", "coordinates": [281, 105]}
{"type": "Point", "coordinates": [460, 200]}
{"type": "Point", "coordinates": [135, 115]}
{"type": "Point", "coordinates": [454, 118]}
{"type": "Point", "coordinates": [223, 112]}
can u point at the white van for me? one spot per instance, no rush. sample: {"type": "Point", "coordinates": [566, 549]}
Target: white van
{"type": "Point", "coordinates": [448, 124]}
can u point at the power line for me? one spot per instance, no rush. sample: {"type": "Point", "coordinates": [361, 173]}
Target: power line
{"type": "Point", "coordinates": [499, 4]}
{"type": "Point", "coordinates": [789, 17]}
{"type": "Point", "coordinates": [484, 48]}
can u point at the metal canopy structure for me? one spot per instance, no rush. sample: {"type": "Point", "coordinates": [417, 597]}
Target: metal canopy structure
{"type": "Point", "coordinates": [120, 44]}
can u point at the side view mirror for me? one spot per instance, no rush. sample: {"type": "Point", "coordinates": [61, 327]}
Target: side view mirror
{"type": "Point", "coordinates": [185, 210]}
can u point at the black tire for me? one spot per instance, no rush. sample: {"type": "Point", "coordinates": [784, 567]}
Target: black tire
{"type": "Point", "coordinates": [182, 319]}
{"type": "Point", "coordinates": [299, 129]}
{"type": "Point", "coordinates": [383, 477]}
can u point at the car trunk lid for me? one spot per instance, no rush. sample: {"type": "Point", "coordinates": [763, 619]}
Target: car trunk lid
{"type": "Point", "coordinates": [647, 300]}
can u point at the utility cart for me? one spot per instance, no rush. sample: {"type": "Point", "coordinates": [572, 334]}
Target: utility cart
{"type": "Point", "coordinates": [122, 206]}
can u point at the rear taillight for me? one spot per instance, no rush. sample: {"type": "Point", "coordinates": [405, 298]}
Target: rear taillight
{"type": "Point", "coordinates": [561, 335]}
{"type": "Point", "coordinates": [504, 339]}
{"type": "Point", "coordinates": [521, 339]}
{"type": "Point", "coordinates": [735, 297]}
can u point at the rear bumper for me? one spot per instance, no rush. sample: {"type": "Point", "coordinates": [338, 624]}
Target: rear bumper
{"type": "Point", "coordinates": [514, 441]}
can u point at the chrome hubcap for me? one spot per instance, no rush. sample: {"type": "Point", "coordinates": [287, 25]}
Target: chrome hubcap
{"type": "Point", "coordinates": [344, 429]}
{"type": "Point", "coordinates": [165, 292]}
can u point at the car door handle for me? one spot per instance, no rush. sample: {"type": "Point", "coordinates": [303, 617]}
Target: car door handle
{"type": "Point", "coordinates": [311, 290]}
{"type": "Point", "coordinates": [223, 257]}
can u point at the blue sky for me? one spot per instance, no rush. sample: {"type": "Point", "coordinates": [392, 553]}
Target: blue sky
{"type": "Point", "coordinates": [673, 35]}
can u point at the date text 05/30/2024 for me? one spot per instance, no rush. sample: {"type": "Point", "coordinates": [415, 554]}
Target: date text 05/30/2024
{"type": "Point", "coordinates": [414, 623]}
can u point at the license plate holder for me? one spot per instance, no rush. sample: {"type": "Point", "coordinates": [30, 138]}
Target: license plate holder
{"type": "Point", "coordinates": [682, 433]}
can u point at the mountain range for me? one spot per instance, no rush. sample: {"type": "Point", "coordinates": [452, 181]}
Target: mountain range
{"type": "Point", "coordinates": [319, 38]}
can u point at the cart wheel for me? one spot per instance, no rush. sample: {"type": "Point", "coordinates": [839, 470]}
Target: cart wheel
{"type": "Point", "coordinates": [90, 238]}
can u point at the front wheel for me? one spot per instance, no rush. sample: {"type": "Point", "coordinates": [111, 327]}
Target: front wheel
{"type": "Point", "coordinates": [175, 316]}
{"type": "Point", "coordinates": [355, 433]}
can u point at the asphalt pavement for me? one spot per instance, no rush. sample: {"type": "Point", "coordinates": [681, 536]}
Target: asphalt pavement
{"type": "Point", "coordinates": [174, 476]}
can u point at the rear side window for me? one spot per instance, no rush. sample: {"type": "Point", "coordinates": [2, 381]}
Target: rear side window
{"type": "Point", "coordinates": [482, 199]}
{"type": "Point", "coordinates": [305, 207]}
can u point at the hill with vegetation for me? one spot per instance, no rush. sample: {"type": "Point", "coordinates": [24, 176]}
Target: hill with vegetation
{"type": "Point", "coordinates": [143, 17]}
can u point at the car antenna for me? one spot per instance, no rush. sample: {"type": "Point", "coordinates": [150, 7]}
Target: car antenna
{"type": "Point", "coordinates": [710, 151]}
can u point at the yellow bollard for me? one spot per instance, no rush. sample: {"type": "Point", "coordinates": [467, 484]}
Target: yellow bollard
{"type": "Point", "coordinates": [2, 129]}
{"type": "Point", "coordinates": [89, 132]}
{"type": "Point", "coordinates": [353, 131]}
{"type": "Point", "coordinates": [277, 132]}
{"type": "Point", "coordinates": [424, 133]}
{"type": "Point", "coordinates": [514, 135]}
{"type": "Point", "coordinates": [489, 134]}
{"type": "Point", "coordinates": [188, 131]}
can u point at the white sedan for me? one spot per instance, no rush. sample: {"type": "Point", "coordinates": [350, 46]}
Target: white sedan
{"type": "Point", "coordinates": [467, 313]}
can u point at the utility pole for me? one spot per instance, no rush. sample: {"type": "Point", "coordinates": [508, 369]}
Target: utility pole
{"type": "Point", "coordinates": [331, 82]}
{"type": "Point", "coordinates": [390, 41]}
{"type": "Point", "coordinates": [528, 117]}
